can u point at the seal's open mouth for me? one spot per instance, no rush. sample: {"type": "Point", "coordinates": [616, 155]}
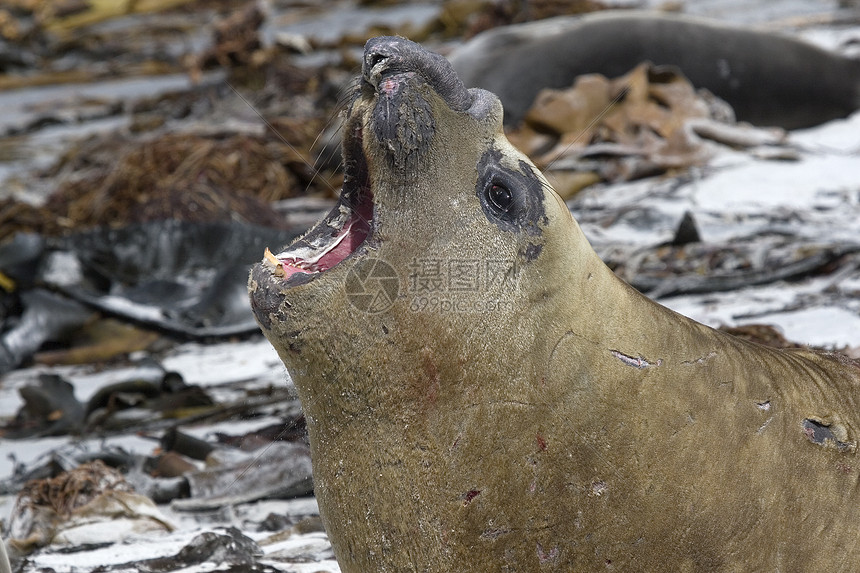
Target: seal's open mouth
{"type": "Point", "coordinates": [344, 229]}
{"type": "Point", "coordinates": [391, 103]}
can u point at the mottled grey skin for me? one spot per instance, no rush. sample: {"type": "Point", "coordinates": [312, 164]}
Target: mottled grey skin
{"type": "Point", "coordinates": [769, 79]}
{"type": "Point", "coordinates": [577, 426]}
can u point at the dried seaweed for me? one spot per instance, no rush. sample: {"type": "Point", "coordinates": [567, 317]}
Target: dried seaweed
{"type": "Point", "coordinates": [71, 490]}
{"type": "Point", "coordinates": [647, 122]}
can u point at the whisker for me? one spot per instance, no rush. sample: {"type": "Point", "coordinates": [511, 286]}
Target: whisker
{"type": "Point", "coordinates": [346, 97]}
{"type": "Point", "coordinates": [275, 131]}
{"type": "Point", "coordinates": [327, 154]}
{"type": "Point", "coordinates": [259, 456]}
{"type": "Point", "coordinates": [621, 95]}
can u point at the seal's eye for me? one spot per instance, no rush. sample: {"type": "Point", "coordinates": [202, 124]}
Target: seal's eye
{"type": "Point", "coordinates": [500, 197]}
{"type": "Point", "coordinates": [511, 196]}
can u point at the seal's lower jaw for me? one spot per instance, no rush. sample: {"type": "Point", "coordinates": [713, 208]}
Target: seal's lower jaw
{"type": "Point", "coordinates": [341, 233]}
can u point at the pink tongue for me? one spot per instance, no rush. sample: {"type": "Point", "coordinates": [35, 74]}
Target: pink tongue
{"type": "Point", "coordinates": [290, 270]}
{"type": "Point", "coordinates": [355, 229]}
{"type": "Point", "coordinates": [357, 232]}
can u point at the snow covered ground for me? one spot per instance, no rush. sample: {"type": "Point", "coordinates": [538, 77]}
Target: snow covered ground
{"type": "Point", "coordinates": [817, 197]}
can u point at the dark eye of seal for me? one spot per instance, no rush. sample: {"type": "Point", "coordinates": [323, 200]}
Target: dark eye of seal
{"type": "Point", "coordinates": [500, 197]}
{"type": "Point", "coordinates": [511, 198]}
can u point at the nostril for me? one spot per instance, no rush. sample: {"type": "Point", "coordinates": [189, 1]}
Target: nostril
{"type": "Point", "coordinates": [375, 59]}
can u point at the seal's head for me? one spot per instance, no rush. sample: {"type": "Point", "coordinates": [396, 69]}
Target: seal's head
{"type": "Point", "coordinates": [430, 181]}
{"type": "Point", "coordinates": [423, 157]}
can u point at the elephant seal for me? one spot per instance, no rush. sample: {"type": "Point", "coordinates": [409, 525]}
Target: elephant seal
{"type": "Point", "coordinates": [483, 394]}
{"type": "Point", "coordinates": [769, 79]}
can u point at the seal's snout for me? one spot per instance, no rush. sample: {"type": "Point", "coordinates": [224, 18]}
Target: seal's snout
{"type": "Point", "coordinates": [377, 59]}
{"type": "Point", "coordinates": [387, 56]}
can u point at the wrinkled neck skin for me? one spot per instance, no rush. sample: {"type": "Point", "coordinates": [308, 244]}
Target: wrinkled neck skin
{"type": "Point", "coordinates": [554, 420]}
